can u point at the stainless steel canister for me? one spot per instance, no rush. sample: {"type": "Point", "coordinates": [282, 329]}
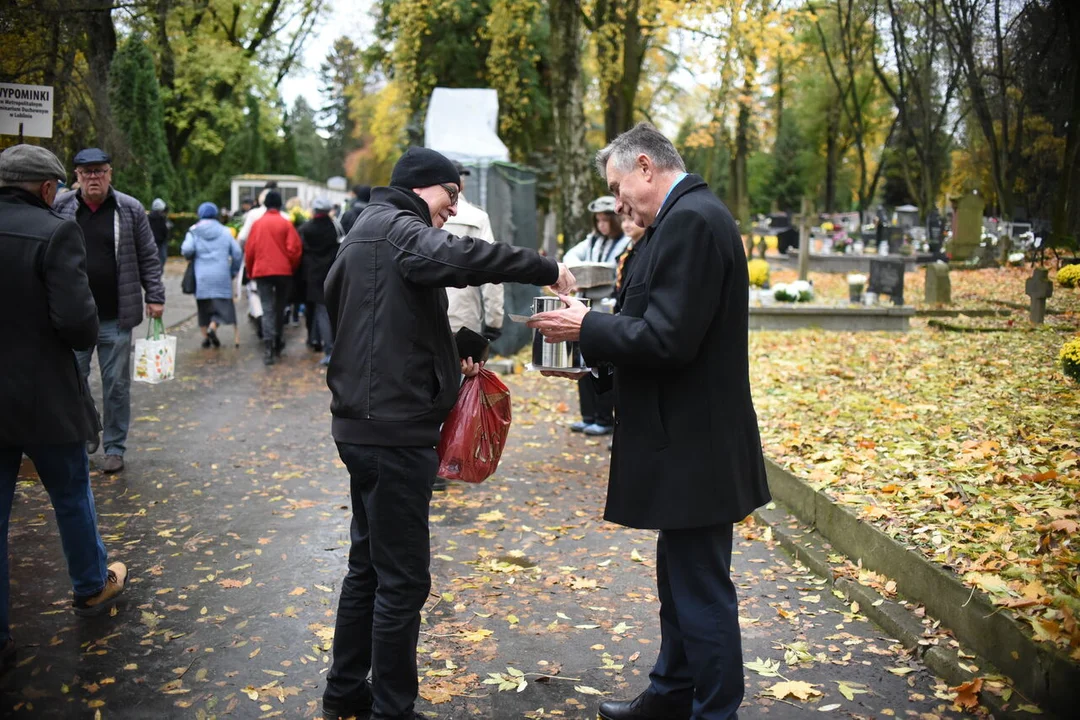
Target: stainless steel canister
{"type": "Point", "coordinates": [554, 355]}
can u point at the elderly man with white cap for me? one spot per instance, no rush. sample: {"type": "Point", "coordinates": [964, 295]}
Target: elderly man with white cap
{"type": "Point", "coordinates": [46, 409]}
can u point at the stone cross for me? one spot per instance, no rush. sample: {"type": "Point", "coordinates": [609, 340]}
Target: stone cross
{"type": "Point", "coordinates": [1039, 288]}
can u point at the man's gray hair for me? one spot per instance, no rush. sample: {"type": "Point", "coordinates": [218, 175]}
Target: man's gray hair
{"type": "Point", "coordinates": [30, 187]}
{"type": "Point", "coordinates": [642, 139]}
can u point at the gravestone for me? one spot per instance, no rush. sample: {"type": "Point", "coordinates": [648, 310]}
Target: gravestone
{"type": "Point", "coordinates": [938, 285]}
{"type": "Point", "coordinates": [967, 232]}
{"type": "Point", "coordinates": [1004, 248]}
{"type": "Point", "coordinates": [887, 278]}
{"type": "Point", "coordinates": [896, 240]}
{"type": "Point", "coordinates": [1039, 288]}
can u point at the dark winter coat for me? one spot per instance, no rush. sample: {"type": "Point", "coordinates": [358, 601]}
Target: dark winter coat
{"type": "Point", "coordinates": [159, 225]}
{"type": "Point", "coordinates": [138, 266]}
{"type": "Point", "coordinates": [49, 313]}
{"type": "Point", "coordinates": [687, 452]}
{"type": "Point", "coordinates": [394, 373]}
{"type": "Point", "coordinates": [320, 238]}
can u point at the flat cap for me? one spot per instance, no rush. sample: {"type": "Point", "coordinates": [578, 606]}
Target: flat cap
{"type": "Point", "coordinates": [91, 156]}
{"type": "Point", "coordinates": [321, 204]}
{"type": "Point", "coordinates": [28, 163]}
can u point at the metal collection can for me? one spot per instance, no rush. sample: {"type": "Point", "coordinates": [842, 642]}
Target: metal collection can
{"type": "Point", "coordinates": [560, 355]}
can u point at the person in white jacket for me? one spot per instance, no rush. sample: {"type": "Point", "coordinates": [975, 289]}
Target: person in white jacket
{"type": "Point", "coordinates": [479, 309]}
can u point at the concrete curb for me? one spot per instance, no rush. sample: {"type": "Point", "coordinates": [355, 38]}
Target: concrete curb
{"type": "Point", "coordinates": [812, 550]}
{"type": "Point", "coordinates": [1039, 672]}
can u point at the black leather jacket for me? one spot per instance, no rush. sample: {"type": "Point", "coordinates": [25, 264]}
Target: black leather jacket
{"type": "Point", "coordinates": [394, 373]}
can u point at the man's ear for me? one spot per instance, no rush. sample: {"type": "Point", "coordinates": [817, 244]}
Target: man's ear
{"type": "Point", "coordinates": [645, 164]}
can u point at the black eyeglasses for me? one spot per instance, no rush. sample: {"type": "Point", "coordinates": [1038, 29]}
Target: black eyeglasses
{"type": "Point", "coordinates": [452, 191]}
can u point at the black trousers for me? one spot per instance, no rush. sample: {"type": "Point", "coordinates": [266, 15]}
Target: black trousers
{"type": "Point", "coordinates": [274, 295]}
{"type": "Point", "coordinates": [700, 662]}
{"type": "Point", "coordinates": [378, 618]}
{"type": "Point", "coordinates": [596, 407]}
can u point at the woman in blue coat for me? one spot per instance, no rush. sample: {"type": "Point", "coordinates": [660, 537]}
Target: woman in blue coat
{"type": "Point", "coordinates": [218, 259]}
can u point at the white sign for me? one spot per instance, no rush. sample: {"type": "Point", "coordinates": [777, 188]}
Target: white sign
{"type": "Point", "coordinates": [28, 105]}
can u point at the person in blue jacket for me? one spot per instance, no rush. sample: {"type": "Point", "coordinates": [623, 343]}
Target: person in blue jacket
{"type": "Point", "coordinates": [217, 261]}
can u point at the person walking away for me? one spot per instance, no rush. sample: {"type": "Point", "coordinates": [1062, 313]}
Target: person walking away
{"type": "Point", "coordinates": [687, 457]}
{"type": "Point", "coordinates": [272, 255]}
{"type": "Point", "coordinates": [479, 309]}
{"type": "Point", "coordinates": [394, 376]}
{"type": "Point", "coordinates": [121, 259]}
{"type": "Point", "coordinates": [320, 240]}
{"type": "Point", "coordinates": [361, 198]}
{"type": "Point", "coordinates": [218, 260]}
{"type": "Point", "coordinates": [160, 225]}
{"type": "Point", "coordinates": [47, 411]}
{"type": "Point", "coordinates": [605, 244]}
{"type": "Point", "coordinates": [255, 308]}
{"type": "Point", "coordinates": [294, 210]}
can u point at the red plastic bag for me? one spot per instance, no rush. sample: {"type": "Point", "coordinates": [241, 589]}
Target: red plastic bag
{"type": "Point", "coordinates": [474, 434]}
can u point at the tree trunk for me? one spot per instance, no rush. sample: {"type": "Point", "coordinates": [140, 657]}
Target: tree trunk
{"type": "Point", "coordinates": [779, 96]}
{"type": "Point", "coordinates": [571, 151]}
{"type": "Point", "coordinates": [101, 46]}
{"type": "Point", "coordinates": [1066, 206]}
{"type": "Point", "coordinates": [740, 187]}
{"type": "Point", "coordinates": [832, 157]}
{"type": "Point", "coordinates": [634, 46]}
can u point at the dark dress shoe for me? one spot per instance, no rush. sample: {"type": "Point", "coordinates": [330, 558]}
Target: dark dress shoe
{"type": "Point", "coordinates": [646, 706]}
{"type": "Point", "coordinates": [336, 711]}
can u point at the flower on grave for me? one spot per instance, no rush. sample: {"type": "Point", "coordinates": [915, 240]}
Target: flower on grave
{"type": "Point", "coordinates": [1016, 259]}
{"type": "Point", "coordinates": [1070, 357]}
{"type": "Point", "coordinates": [798, 291]}
{"type": "Point", "coordinates": [758, 270]}
{"type": "Point", "coordinates": [856, 279]}
{"type": "Point", "coordinates": [1069, 276]}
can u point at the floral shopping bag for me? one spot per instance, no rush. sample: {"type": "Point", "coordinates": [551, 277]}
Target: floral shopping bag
{"type": "Point", "coordinates": [155, 357]}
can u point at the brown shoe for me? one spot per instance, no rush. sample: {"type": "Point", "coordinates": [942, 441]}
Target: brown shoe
{"type": "Point", "coordinates": [113, 463]}
{"type": "Point", "coordinates": [97, 604]}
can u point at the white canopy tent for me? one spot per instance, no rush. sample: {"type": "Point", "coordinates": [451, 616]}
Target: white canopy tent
{"type": "Point", "coordinates": [462, 124]}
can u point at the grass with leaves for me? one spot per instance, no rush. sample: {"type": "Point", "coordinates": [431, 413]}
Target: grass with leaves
{"type": "Point", "coordinates": [964, 445]}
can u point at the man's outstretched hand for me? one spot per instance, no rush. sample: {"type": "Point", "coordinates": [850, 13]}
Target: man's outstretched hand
{"type": "Point", "coordinates": [566, 283]}
{"type": "Point", "coordinates": [561, 325]}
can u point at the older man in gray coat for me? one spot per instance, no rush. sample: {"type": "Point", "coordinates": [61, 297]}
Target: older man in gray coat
{"type": "Point", "coordinates": [121, 262]}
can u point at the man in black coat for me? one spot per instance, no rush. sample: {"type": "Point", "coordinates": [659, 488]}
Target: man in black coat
{"type": "Point", "coordinates": [394, 376]}
{"type": "Point", "coordinates": [46, 408]}
{"type": "Point", "coordinates": [320, 238]}
{"type": "Point", "coordinates": [687, 457]}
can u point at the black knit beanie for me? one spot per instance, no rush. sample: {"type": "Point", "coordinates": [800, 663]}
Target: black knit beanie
{"type": "Point", "coordinates": [272, 201]}
{"type": "Point", "coordinates": [422, 167]}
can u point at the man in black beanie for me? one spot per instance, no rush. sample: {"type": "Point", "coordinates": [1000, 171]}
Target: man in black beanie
{"type": "Point", "coordinates": [394, 376]}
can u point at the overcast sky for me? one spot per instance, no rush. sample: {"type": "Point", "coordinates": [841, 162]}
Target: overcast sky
{"type": "Point", "coordinates": [342, 18]}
